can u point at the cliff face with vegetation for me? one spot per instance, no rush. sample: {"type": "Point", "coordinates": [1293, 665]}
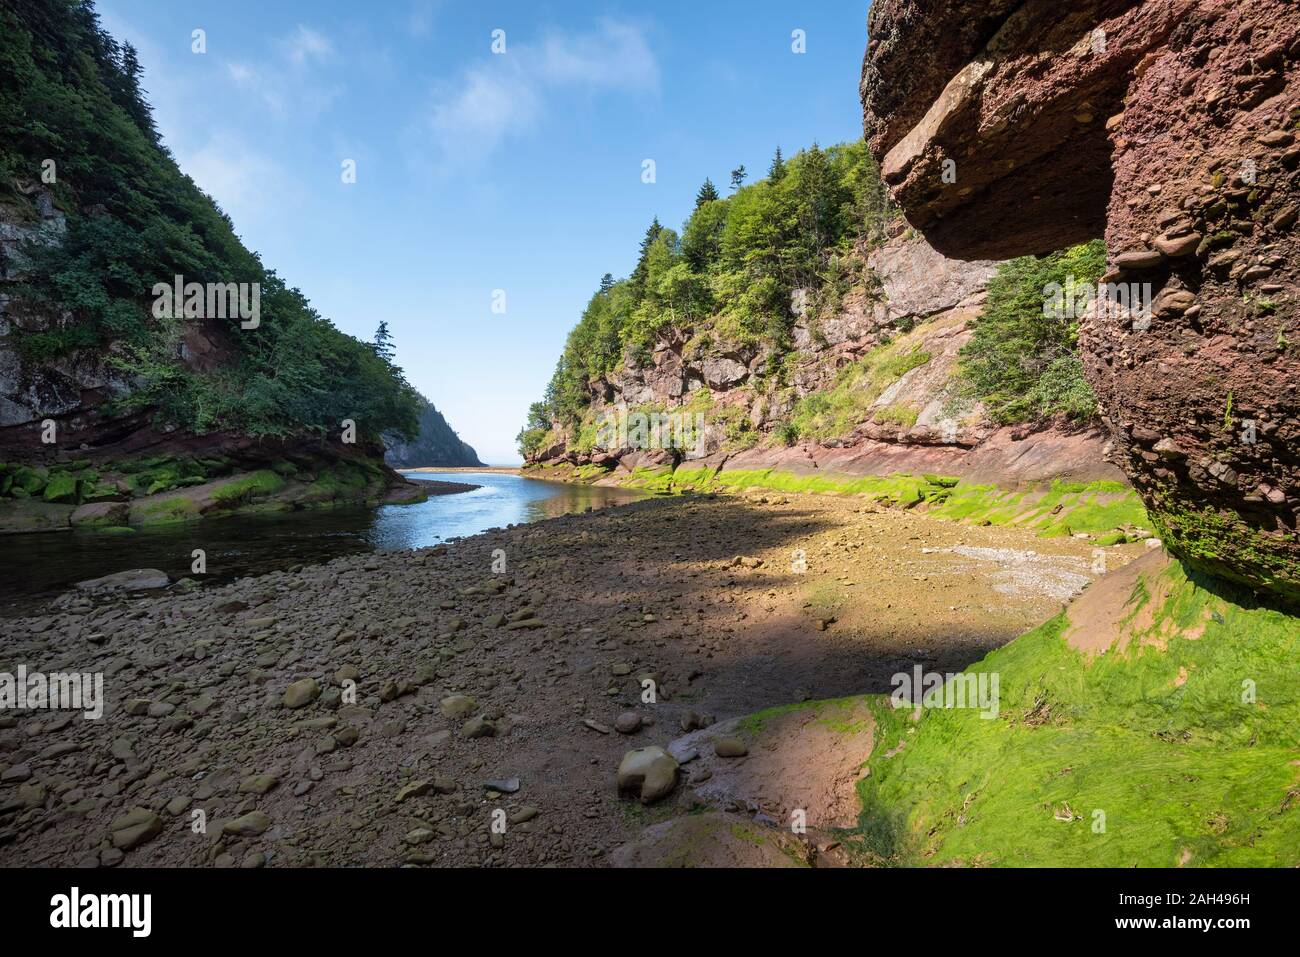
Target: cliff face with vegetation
{"type": "Point", "coordinates": [1171, 127]}
{"type": "Point", "coordinates": [1146, 725]}
{"type": "Point", "coordinates": [95, 215]}
{"type": "Point", "coordinates": [435, 444]}
{"type": "Point", "coordinates": [849, 349]}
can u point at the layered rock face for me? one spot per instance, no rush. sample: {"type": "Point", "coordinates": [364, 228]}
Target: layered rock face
{"type": "Point", "coordinates": [922, 302]}
{"type": "Point", "coordinates": [75, 390]}
{"type": "Point", "coordinates": [1011, 128]}
{"type": "Point", "coordinates": [436, 445]}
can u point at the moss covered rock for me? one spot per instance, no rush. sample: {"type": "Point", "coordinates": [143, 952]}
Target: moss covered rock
{"type": "Point", "coordinates": [63, 488]}
{"type": "Point", "coordinates": [1153, 724]}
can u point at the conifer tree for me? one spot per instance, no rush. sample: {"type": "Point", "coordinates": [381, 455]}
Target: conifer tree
{"type": "Point", "coordinates": [776, 172]}
{"type": "Point", "coordinates": [639, 274]}
{"type": "Point", "coordinates": [384, 343]}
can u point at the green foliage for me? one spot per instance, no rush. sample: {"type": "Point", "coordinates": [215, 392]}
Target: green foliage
{"type": "Point", "coordinates": [707, 194]}
{"type": "Point", "coordinates": [69, 91]}
{"type": "Point", "coordinates": [1022, 362]}
{"type": "Point", "coordinates": [834, 412]}
{"type": "Point", "coordinates": [733, 270]}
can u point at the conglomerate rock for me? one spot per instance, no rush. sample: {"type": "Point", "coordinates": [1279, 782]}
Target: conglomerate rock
{"type": "Point", "coordinates": [1014, 128]}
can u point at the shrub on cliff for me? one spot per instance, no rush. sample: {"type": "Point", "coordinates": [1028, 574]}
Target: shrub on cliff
{"type": "Point", "coordinates": [834, 412]}
{"type": "Point", "coordinates": [1022, 361]}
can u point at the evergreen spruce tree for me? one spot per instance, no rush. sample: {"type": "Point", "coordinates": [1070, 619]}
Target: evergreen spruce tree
{"type": "Point", "coordinates": [607, 282]}
{"type": "Point", "coordinates": [707, 194]}
{"type": "Point", "coordinates": [384, 343]}
{"type": "Point", "coordinates": [134, 102]}
{"type": "Point", "coordinates": [639, 274]}
{"type": "Point", "coordinates": [776, 172]}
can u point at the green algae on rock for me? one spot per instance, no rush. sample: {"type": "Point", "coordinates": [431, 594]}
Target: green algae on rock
{"type": "Point", "coordinates": [1152, 724]}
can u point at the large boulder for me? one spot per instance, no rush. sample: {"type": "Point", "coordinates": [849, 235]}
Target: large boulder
{"type": "Point", "coordinates": [918, 281]}
{"type": "Point", "coordinates": [135, 579]}
{"type": "Point", "coordinates": [1010, 128]}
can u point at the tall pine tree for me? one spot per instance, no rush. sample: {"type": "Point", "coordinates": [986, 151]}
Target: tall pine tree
{"type": "Point", "coordinates": [707, 194]}
{"type": "Point", "coordinates": [776, 172]}
{"type": "Point", "coordinates": [384, 347]}
{"type": "Point", "coordinates": [639, 274]}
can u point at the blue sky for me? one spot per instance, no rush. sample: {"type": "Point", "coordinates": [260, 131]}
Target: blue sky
{"type": "Point", "coordinates": [475, 171]}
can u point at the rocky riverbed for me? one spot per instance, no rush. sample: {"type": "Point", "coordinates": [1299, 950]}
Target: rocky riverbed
{"type": "Point", "coordinates": [391, 709]}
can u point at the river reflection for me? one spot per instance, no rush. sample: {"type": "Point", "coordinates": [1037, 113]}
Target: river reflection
{"type": "Point", "coordinates": [33, 568]}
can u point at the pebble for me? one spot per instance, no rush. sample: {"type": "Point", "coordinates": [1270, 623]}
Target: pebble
{"type": "Point", "coordinates": [177, 805]}
{"type": "Point", "coordinates": [479, 727]}
{"type": "Point", "coordinates": [259, 784]}
{"type": "Point", "coordinates": [730, 746]}
{"type": "Point", "coordinates": [137, 826]}
{"type": "Point", "coordinates": [457, 706]}
{"type": "Point", "coordinates": [301, 693]}
{"type": "Point", "coordinates": [650, 772]}
{"type": "Point", "coordinates": [252, 824]}
{"type": "Point", "coordinates": [522, 816]}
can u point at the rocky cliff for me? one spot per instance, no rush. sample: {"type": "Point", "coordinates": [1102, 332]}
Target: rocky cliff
{"type": "Point", "coordinates": [81, 389]}
{"type": "Point", "coordinates": [1008, 128]}
{"type": "Point", "coordinates": [435, 445]}
{"type": "Point", "coordinates": [114, 390]}
{"type": "Point", "coordinates": [890, 351]}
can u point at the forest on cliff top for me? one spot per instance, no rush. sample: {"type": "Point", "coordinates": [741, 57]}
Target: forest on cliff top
{"type": "Point", "coordinates": [793, 245]}
{"type": "Point", "coordinates": [69, 90]}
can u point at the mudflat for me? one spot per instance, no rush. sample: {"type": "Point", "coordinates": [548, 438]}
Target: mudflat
{"type": "Point", "coordinates": [387, 709]}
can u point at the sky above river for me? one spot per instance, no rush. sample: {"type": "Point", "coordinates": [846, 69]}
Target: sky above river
{"type": "Point", "coordinates": [477, 172]}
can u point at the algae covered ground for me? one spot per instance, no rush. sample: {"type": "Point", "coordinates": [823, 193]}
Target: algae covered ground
{"type": "Point", "coordinates": [1153, 728]}
{"type": "Point", "coordinates": [1108, 511]}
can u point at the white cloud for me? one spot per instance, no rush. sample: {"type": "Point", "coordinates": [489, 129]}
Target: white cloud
{"type": "Point", "coordinates": [420, 20]}
{"type": "Point", "coordinates": [306, 44]}
{"type": "Point", "coordinates": [510, 93]}
{"type": "Point", "coordinates": [247, 184]}
{"type": "Point", "coordinates": [291, 84]}
{"type": "Point", "coordinates": [616, 56]}
{"type": "Point", "coordinates": [488, 105]}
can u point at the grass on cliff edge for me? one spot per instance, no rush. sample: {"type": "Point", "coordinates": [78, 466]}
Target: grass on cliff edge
{"type": "Point", "coordinates": [1161, 736]}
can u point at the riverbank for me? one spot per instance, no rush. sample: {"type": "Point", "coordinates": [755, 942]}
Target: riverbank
{"type": "Point", "coordinates": [455, 469]}
{"type": "Point", "coordinates": [230, 701]}
{"type": "Point", "coordinates": [120, 496]}
{"type": "Point", "coordinates": [38, 568]}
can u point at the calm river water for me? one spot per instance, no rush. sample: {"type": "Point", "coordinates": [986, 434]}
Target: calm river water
{"type": "Point", "coordinates": [33, 568]}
